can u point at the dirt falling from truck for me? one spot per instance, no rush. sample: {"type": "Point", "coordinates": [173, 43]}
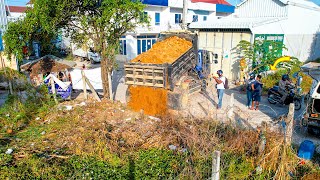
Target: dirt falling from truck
{"type": "Point", "coordinates": [153, 101]}
{"type": "Point", "coordinates": [166, 51]}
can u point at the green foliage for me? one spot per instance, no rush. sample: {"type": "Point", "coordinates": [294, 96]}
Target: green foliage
{"type": "Point", "coordinates": [158, 164]}
{"type": "Point", "coordinates": [95, 23]}
{"type": "Point", "coordinates": [236, 166]}
{"type": "Point", "coordinates": [273, 79]}
{"type": "Point", "coordinates": [24, 32]}
{"type": "Point", "coordinates": [260, 54]}
{"type": "Point", "coordinates": [17, 111]}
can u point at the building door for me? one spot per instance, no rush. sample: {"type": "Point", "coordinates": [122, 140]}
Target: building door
{"type": "Point", "coordinates": [144, 43]}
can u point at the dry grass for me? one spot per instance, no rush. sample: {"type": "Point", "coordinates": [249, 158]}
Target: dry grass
{"type": "Point", "coordinates": [103, 129]}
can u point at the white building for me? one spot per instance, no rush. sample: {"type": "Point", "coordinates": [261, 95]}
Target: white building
{"type": "Point", "coordinates": [167, 15]}
{"type": "Point", "coordinates": [3, 22]}
{"type": "Point", "coordinates": [296, 23]}
{"type": "Point", "coordinates": [15, 13]}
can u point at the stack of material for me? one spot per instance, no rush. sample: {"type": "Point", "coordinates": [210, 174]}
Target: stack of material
{"type": "Point", "coordinates": [166, 51]}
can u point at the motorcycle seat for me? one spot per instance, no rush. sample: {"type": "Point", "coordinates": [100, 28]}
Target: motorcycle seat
{"type": "Point", "coordinates": [276, 88]}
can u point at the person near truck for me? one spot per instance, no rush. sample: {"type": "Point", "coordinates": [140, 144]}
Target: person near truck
{"type": "Point", "coordinates": [283, 84]}
{"type": "Point", "coordinates": [220, 80]}
{"type": "Point", "coordinates": [249, 89]}
{"type": "Point", "coordinates": [256, 93]}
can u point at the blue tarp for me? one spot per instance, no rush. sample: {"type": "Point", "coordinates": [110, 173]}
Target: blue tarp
{"type": "Point", "coordinates": [156, 2]}
{"type": "Point", "coordinates": [224, 8]}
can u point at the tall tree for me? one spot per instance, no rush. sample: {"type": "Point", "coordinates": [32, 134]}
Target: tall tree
{"type": "Point", "coordinates": [22, 33]}
{"type": "Point", "coordinates": [97, 22]}
{"type": "Point", "coordinates": [260, 54]}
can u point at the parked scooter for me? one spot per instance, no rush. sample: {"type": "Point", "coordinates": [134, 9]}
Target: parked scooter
{"type": "Point", "coordinates": [274, 96]}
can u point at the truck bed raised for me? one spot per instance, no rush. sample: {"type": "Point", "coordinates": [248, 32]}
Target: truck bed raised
{"type": "Point", "coordinates": [159, 75]}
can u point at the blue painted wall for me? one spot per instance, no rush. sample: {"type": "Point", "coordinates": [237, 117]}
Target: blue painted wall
{"type": "Point", "coordinates": [156, 2]}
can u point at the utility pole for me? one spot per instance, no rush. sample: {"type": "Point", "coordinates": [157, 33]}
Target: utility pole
{"type": "Point", "coordinates": [184, 14]}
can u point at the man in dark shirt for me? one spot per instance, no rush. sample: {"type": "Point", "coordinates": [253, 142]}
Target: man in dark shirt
{"type": "Point", "coordinates": [256, 92]}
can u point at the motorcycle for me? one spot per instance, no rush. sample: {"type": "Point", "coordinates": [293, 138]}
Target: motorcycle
{"type": "Point", "coordinates": [274, 96]}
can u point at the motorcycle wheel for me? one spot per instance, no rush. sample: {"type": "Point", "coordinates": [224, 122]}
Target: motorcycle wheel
{"type": "Point", "coordinates": [297, 104]}
{"type": "Point", "coordinates": [271, 99]}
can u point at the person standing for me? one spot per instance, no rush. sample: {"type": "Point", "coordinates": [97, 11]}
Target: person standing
{"type": "Point", "coordinates": [249, 90]}
{"type": "Point", "coordinates": [257, 91]}
{"type": "Point", "coordinates": [220, 80]}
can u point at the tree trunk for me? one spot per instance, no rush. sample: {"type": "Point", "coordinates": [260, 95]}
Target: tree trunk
{"type": "Point", "coordinates": [104, 77]}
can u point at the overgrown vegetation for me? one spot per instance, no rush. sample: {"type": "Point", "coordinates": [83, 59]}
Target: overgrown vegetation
{"type": "Point", "coordinates": [99, 141]}
{"type": "Point", "coordinates": [273, 79]}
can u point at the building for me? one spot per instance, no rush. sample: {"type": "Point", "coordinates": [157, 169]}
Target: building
{"type": "Point", "coordinates": [15, 13]}
{"type": "Point", "coordinates": [295, 23]}
{"type": "Point", "coordinates": [167, 15]}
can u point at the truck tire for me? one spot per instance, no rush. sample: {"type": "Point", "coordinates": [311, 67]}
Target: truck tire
{"type": "Point", "coordinates": [297, 104]}
{"type": "Point", "coordinates": [92, 61]}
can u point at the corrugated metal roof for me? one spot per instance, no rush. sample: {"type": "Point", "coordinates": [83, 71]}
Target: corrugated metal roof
{"type": "Point", "coordinates": [233, 23]}
{"type": "Point", "coordinates": [306, 3]}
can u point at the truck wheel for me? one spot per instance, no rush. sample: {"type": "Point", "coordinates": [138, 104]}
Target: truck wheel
{"type": "Point", "coordinates": [297, 104]}
{"type": "Point", "coordinates": [92, 61]}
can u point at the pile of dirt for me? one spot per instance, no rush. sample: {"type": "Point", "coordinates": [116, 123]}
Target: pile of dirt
{"type": "Point", "coordinates": [166, 51]}
{"type": "Point", "coordinates": [153, 101]}
{"type": "Point", "coordinates": [46, 65]}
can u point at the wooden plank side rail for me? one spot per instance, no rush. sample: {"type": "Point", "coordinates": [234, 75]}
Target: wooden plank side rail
{"type": "Point", "coordinates": [145, 75]}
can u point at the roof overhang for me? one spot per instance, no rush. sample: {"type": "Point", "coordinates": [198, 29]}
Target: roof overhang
{"type": "Point", "coordinates": [233, 23]}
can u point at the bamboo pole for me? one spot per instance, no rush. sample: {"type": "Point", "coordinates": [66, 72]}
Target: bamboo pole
{"type": "Point", "coordinates": [84, 85]}
{"type": "Point", "coordinates": [92, 90]}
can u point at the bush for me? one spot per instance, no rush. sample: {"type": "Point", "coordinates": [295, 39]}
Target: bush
{"type": "Point", "coordinates": [273, 79]}
{"type": "Point", "coordinates": [18, 110]}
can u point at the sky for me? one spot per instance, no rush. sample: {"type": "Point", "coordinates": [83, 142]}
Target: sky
{"type": "Point", "coordinates": [24, 2]}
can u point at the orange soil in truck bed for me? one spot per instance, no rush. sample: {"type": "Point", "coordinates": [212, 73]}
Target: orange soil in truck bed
{"type": "Point", "coordinates": [166, 51]}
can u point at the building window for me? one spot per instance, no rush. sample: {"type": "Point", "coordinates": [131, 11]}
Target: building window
{"type": "Point", "coordinates": [195, 18]}
{"type": "Point", "coordinates": [177, 18]}
{"type": "Point", "coordinates": [144, 43]}
{"type": "Point", "coordinates": [157, 19]}
{"type": "Point", "coordinates": [144, 16]}
{"type": "Point", "coordinates": [204, 18]}
{"type": "Point", "coordinates": [123, 47]}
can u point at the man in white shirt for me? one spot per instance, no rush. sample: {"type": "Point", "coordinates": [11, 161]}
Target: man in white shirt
{"type": "Point", "coordinates": [221, 80]}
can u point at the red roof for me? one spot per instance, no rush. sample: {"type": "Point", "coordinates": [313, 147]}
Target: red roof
{"type": "Point", "coordinates": [16, 9]}
{"type": "Point", "coordinates": [212, 1]}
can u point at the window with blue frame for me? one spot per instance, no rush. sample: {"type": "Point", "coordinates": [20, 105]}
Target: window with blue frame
{"type": "Point", "coordinates": [144, 43]}
{"type": "Point", "coordinates": [177, 18]}
{"type": "Point", "coordinates": [123, 47]}
{"type": "Point", "coordinates": [157, 19]}
{"type": "Point", "coordinates": [204, 18]}
{"type": "Point", "coordinates": [195, 18]}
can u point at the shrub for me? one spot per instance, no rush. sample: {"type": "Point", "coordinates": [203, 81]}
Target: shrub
{"type": "Point", "coordinates": [158, 164]}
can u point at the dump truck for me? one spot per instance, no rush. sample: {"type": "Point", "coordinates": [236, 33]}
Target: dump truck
{"type": "Point", "coordinates": [192, 65]}
{"type": "Point", "coordinates": [185, 71]}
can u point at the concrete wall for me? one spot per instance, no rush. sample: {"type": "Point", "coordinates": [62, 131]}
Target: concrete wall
{"type": "Point", "coordinates": [223, 44]}
{"type": "Point", "coordinates": [301, 30]}
{"type": "Point", "coordinates": [5, 62]}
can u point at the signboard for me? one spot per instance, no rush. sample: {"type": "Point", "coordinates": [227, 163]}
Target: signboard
{"type": "Point", "coordinates": [270, 37]}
